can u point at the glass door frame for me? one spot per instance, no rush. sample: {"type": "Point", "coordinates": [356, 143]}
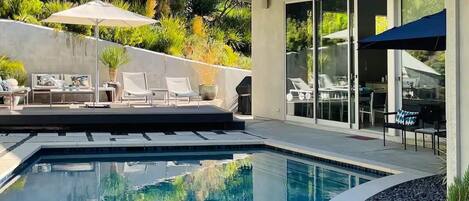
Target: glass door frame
{"type": "Point", "coordinates": [288, 117]}
{"type": "Point", "coordinates": [351, 16]}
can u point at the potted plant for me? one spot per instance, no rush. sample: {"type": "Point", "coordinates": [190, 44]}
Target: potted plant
{"type": "Point", "coordinates": [13, 74]}
{"type": "Point", "coordinates": [114, 57]}
{"type": "Point", "coordinates": [207, 77]}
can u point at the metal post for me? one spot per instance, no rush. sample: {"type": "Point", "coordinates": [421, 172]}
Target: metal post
{"type": "Point", "coordinates": [96, 35]}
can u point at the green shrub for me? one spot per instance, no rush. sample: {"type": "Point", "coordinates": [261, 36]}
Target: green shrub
{"type": "Point", "coordinates": [173, 35]}
{"type": "Point", "coordinates": [229, 57]}
{"type": "Point", "coordinates": [52, 7]}
{"type": "Point", "coordinates": [127, 36]}
{"type": "Point", "coordinates": [245, 62]}
{"type": "Point", "coordinates": [226, 37]}
{"type": "Point", "coordinates": [13, 69]}
{"type": "Point", "coordinates": [236, 26]}
{"type": "Point", "coordinates": [299, 35]}
{"type": "Point", "coordinates": [459, 190]}
{"type": "Point", "coordinates": [21, 10]}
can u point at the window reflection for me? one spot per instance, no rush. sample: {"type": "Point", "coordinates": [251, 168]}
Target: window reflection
{"type": "Point", "coordinates": [299, 59]}
{"type": "Point", "coordinates": [333, 60]}
{"type": "Point", "coordinates": [423, 72]}
{"type": "Point", "coordinates": [310, 182]}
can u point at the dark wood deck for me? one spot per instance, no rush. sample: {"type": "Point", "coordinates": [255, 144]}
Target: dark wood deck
{"type": "Point", "coordinates": [188, 118]}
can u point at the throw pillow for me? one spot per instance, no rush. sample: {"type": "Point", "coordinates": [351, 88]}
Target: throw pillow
{"type": "Point", "coordinates": [4, 85]}
{"type": "Point", "coordinates": [409, 121]}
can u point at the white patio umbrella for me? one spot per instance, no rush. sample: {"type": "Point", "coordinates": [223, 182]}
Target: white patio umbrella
{"type": "Point", "coordinates": [98, 13]}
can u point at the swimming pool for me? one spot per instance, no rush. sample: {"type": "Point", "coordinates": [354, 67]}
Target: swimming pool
{"type": "Point", "coordinates": [195, 176]}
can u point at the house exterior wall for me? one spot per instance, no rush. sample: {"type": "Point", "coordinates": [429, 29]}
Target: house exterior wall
{"type": "Point", "coordinates": [49, 51]}
{"type": "Point", "coordinates": [268, 54]}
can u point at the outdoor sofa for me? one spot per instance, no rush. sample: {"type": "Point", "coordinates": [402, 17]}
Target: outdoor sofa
{"type": "Point", "coordinates": [42, 83]}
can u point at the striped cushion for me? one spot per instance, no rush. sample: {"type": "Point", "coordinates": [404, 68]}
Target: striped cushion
{"type": "Point", "coordinates": [409, 121]}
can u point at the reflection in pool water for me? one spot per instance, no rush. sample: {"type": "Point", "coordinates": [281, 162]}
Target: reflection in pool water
{"type": "Point", "coordinates": [263, 176]}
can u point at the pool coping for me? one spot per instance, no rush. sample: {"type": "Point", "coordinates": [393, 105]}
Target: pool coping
{"type": "Point", "coordinates": [15, 158]}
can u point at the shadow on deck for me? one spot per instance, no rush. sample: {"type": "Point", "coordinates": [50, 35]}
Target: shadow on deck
{"type": "Point", "coordinates": [186, 118]}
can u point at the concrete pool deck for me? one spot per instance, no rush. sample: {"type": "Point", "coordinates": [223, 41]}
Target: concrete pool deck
{"type": "Point", "coordinates": [334, 145]}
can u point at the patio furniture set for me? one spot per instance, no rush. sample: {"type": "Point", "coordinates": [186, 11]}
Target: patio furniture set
{"type": "Point", "coordinates": [416, 122]}
{"type": "Point", "coordinates": [375, 102]}
{"type": "Point", "coordinates": [328, 95]}
{"type": "Point", "coordinates": [135, 87]}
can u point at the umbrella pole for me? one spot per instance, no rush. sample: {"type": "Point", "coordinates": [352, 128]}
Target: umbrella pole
{"type": "Point", "coordinates": [96, 35]}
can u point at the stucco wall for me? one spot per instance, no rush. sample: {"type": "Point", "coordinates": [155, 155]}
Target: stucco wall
{"type": "Point", "coordinates": [44, 50]}
{"type": "Point", "coordinates": [268, 56]}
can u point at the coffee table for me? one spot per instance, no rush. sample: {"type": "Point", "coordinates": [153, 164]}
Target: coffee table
{"type": "Point", "coordinates": [70, 91]}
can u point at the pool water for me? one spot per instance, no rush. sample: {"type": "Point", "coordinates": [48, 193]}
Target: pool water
{"type": "Point", "coordinates": [257, 175]}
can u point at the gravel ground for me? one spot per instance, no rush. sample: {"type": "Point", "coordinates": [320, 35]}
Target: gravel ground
{"type": "Point", "coordinates": [428, 188]}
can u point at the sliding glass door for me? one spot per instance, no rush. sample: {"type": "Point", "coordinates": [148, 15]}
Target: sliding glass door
{"type": "Point", "coordinates": [333, 60]}
{"type": "Point", "coordinates": [299, 59]}
{"type": "Point", "coordinates": [319, 61]}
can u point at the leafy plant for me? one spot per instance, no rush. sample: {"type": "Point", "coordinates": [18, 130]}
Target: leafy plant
{"type": "Point", "coordinates": [171, 36]}
{"type": "Point", "coordinates": [13, 69]}
{"type": "Point", "coordinates": [212, 31]}
{"type": "Point", "coordinates": [52, 7]}
{"type": "Point", "coordinates": [459, 190]}
{"type": "Point", "coordinates": [299, 35]}
{"type": "Point", "coordinates": [114, 57]}
{"type": "Point", "coordinates": [22, 10]}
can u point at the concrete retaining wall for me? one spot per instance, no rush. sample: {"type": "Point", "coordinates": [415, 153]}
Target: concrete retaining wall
{"type": "Point", "coordinates": [44, 50]}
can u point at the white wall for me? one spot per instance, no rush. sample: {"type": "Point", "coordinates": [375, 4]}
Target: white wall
{"type": "Point", "coordinates": [44, 50]}
{"type": "Point", "coordinates": [268, 58]}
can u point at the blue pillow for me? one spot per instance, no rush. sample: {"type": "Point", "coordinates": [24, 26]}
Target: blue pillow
{"type": "Point", "coordinates": [409, 121]}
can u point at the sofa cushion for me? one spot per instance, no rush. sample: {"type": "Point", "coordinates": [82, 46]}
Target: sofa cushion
{"type": "Point", "coordinates": [78, 80]}
{"type": "Point", "coordinates": [44, 81]}
{"type": "Point", "coordinates": [4, 85]}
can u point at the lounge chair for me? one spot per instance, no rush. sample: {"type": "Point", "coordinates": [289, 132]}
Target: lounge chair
{"type": "Point", "coordinates": [136, 87]}
{"type": "Point", "coordinates": [180, 87]}
{"type": "Point", "coordinates": [302, 89]}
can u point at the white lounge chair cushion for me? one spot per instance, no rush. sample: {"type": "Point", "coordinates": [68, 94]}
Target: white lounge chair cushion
{"type": "Point", "coordinates": [139, 93]}
{"type": "Point", "coordinates": [300, 84]}
{"type": "Point", "coordinates": [186, 94]}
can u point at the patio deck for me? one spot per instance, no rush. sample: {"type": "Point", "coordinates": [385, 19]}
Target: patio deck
{"type": "Point", "coordinates": [185, 118]}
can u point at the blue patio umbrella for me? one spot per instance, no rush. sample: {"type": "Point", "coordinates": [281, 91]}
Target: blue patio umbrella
{"type": "Point", "coordinates": [427, 33]}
